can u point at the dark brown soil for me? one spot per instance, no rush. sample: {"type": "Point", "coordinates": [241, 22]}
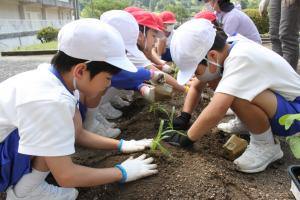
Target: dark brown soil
{"type": "Point", "coordinates": [198, 173]}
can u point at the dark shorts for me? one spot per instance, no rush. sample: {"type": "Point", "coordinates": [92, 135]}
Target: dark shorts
{"type": "Point", "coordinates": [285, 107]}
{"type": "Point", "coordinates": [13, 165]}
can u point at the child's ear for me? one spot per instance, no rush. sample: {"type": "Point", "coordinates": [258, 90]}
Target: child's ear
{"type": "Point", "coordinates": [212, 55]}
{"type": "Point", "coordinates": [79, 69]}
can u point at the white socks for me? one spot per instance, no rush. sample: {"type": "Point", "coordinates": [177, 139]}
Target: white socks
{"type": "Point", "coordinates": [29, 182]}
{"type": "Point", "coordinates": [266, 136]}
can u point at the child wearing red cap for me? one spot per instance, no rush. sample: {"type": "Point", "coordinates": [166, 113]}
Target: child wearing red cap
{"type": "Point", "coordinates": [163, 47]}
{"type": "Point", "coordinates": [149, 31]}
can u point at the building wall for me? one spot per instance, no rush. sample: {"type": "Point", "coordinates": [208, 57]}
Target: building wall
{"type": "Point", "coordinates": [66, 14]}
{"type": "Point", "coordinates": [52, 13]}
{"type": "Point", "coordinates": [19, 21]}
{"type": "Point", "coordinates": [33, 12]}
{"type": "Point", "coordinates": [9, 9]}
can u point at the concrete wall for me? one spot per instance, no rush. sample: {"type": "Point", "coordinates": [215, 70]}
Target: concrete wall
{"type": "Point", "coordinates": [12, 43]}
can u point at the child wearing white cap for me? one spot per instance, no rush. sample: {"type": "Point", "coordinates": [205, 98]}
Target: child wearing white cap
{"type": "Point", "coordinates": [149, 31]}
{"type": "Point", "coordinates": [252, 82]}
{"type": "Point", "coordinates": [40, 122]}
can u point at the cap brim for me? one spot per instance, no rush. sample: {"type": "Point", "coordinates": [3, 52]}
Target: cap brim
{"type": "Point", "coordinates": [122, 63]}
{"type": "Point", "coordinates": [134, 51]}
{"type": "Point", "coordinates": [170, 22]}
{"type": "Point", "coordinates": [184, 76]}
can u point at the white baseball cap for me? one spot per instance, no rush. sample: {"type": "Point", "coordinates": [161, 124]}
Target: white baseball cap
{"type": "Point", "coordinates": [127, 26]}
{"type": "Point", "coordinates": [92, 40]}
{"type": "Point", "coordinates": [189, 46]}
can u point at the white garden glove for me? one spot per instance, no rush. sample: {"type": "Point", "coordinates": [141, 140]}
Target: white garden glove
{"type": "Point", "coordinates": [134, 145]}
{"type": "Point", "coordinates": [287, 3]}
{"type": "Point", "coordinates": [136, 168]}
{"type": "Point", "coordinates": [158, 77]}
{"type": "Point", "coordinates": [263, 6]}
{"type": "Point", "coordinates": [168, 69]}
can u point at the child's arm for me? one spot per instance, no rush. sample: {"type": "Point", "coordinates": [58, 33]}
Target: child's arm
{"type": "Point", "coordinates": [210, 116]}
{"type": "Point", "coordinates": [92, 140]}
{"type": "Point", "coordinates": [193, 96]}
{"type": "Point", "coordinates": [68, 174]}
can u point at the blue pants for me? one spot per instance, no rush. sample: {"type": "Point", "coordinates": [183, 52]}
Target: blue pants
{"type": "Point", "coordinates": [129, 80]}
{"type": "Point", "coordinates": [285, 107]}
{"type": "Point", "coordinates": [167, 55]}
{"type": "Point", "coordinates": [13, 165]}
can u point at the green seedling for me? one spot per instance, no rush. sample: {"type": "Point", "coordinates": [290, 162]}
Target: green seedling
{"type": "Point", "coordinates": [161, 135]}
{"type": "Point", "coordinates": [156, 107]}
{"type": "Point", "coordinates": [176, 70]}
{"type": "Point", "coordinates": [288, 120]}
{"type": "Point", "coordinates": [156, 143]}
{"type": "Point", "coordinates": [171, 117]}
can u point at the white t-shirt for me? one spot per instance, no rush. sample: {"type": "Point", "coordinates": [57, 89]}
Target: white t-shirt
{"type": "Point", "coordinates": [237, 21]}
{"type": "Point", "coordinates": [251, 68]}
{"type": "Point", "coordinates": [142, 61]}
{"type": "Point", "coordinates": [42, 109]}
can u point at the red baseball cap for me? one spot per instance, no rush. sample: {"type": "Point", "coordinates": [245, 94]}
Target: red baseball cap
{"type": "Point", "coordinates": [206, 15]}
{"type": "Point", "coordinates": [147, 19]}
{"type": "Point", "coordinates": [132, 9]}
{"type": "Point", "coordinates": [168, 17]}
{"type": "Point", "coordinates": [159, 22]}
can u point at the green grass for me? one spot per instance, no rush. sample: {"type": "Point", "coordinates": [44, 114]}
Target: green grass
{"type": "Point", "coordinates": [42, 46]}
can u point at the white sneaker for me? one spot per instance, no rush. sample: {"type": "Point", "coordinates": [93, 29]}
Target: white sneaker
{"type": "Point", "coordinates": [99, 117]}
{"type": "Point", "coordinates": [107, 132]}
{"type": "Point", "coordinates": [126, 94]}
{"type": "Point", "coordinates": [233, 126]}
{"type": "Point", "coordinates": [100, 129]}
{"type": "Point", "coordinates": [45, 191]}
{"type": "Point", "coordinates": [118, 102]}
{"type": "Point", "coordinates": [258, 156]}
{"type": "Point", "coordinates": [109, 112]}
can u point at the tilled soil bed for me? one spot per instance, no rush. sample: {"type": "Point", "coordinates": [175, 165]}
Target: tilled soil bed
{"type": "Point", "coordinates": [198, 173]}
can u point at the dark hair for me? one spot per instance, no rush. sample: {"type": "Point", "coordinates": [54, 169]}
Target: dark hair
{"type": "Point", "coordinates": [220, 40]}
{"type": "Point", "coordinates": [64, 63]}
{"type": "Point", "coordinates": [225, 5]}
{"type": "Point", "coordinates": [142, 28]}
{"type": "Point", "coordinates": [219, 43]}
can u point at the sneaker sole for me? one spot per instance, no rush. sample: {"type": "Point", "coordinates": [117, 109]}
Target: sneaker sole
{"type": "Point", "coordinates": [262, 168]}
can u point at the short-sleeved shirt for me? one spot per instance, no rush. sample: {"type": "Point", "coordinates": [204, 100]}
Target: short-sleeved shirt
{"type": "Point", "coordinates": [138, 61]}
{"type": "Point", "coordinates": [236, 21]}
{"type": "Point", "coordinates": [42, 109]}
{"type": "Point", "coordinates": [251, 68]}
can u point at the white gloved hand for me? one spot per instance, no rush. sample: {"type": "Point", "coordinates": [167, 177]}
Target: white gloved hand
{"type": "Point", "coordinates": [263, 5]}
{"type": "Point", "coordinates": [287, 3]}
{"type": "Point", "coordinates": [168, 69]}
{"type": "Point", "coordinates": [133, 169]}
{"type": "Point", "coordinates": [158, 78]}
{"type": "Point", "coordinates": [134, 145]}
